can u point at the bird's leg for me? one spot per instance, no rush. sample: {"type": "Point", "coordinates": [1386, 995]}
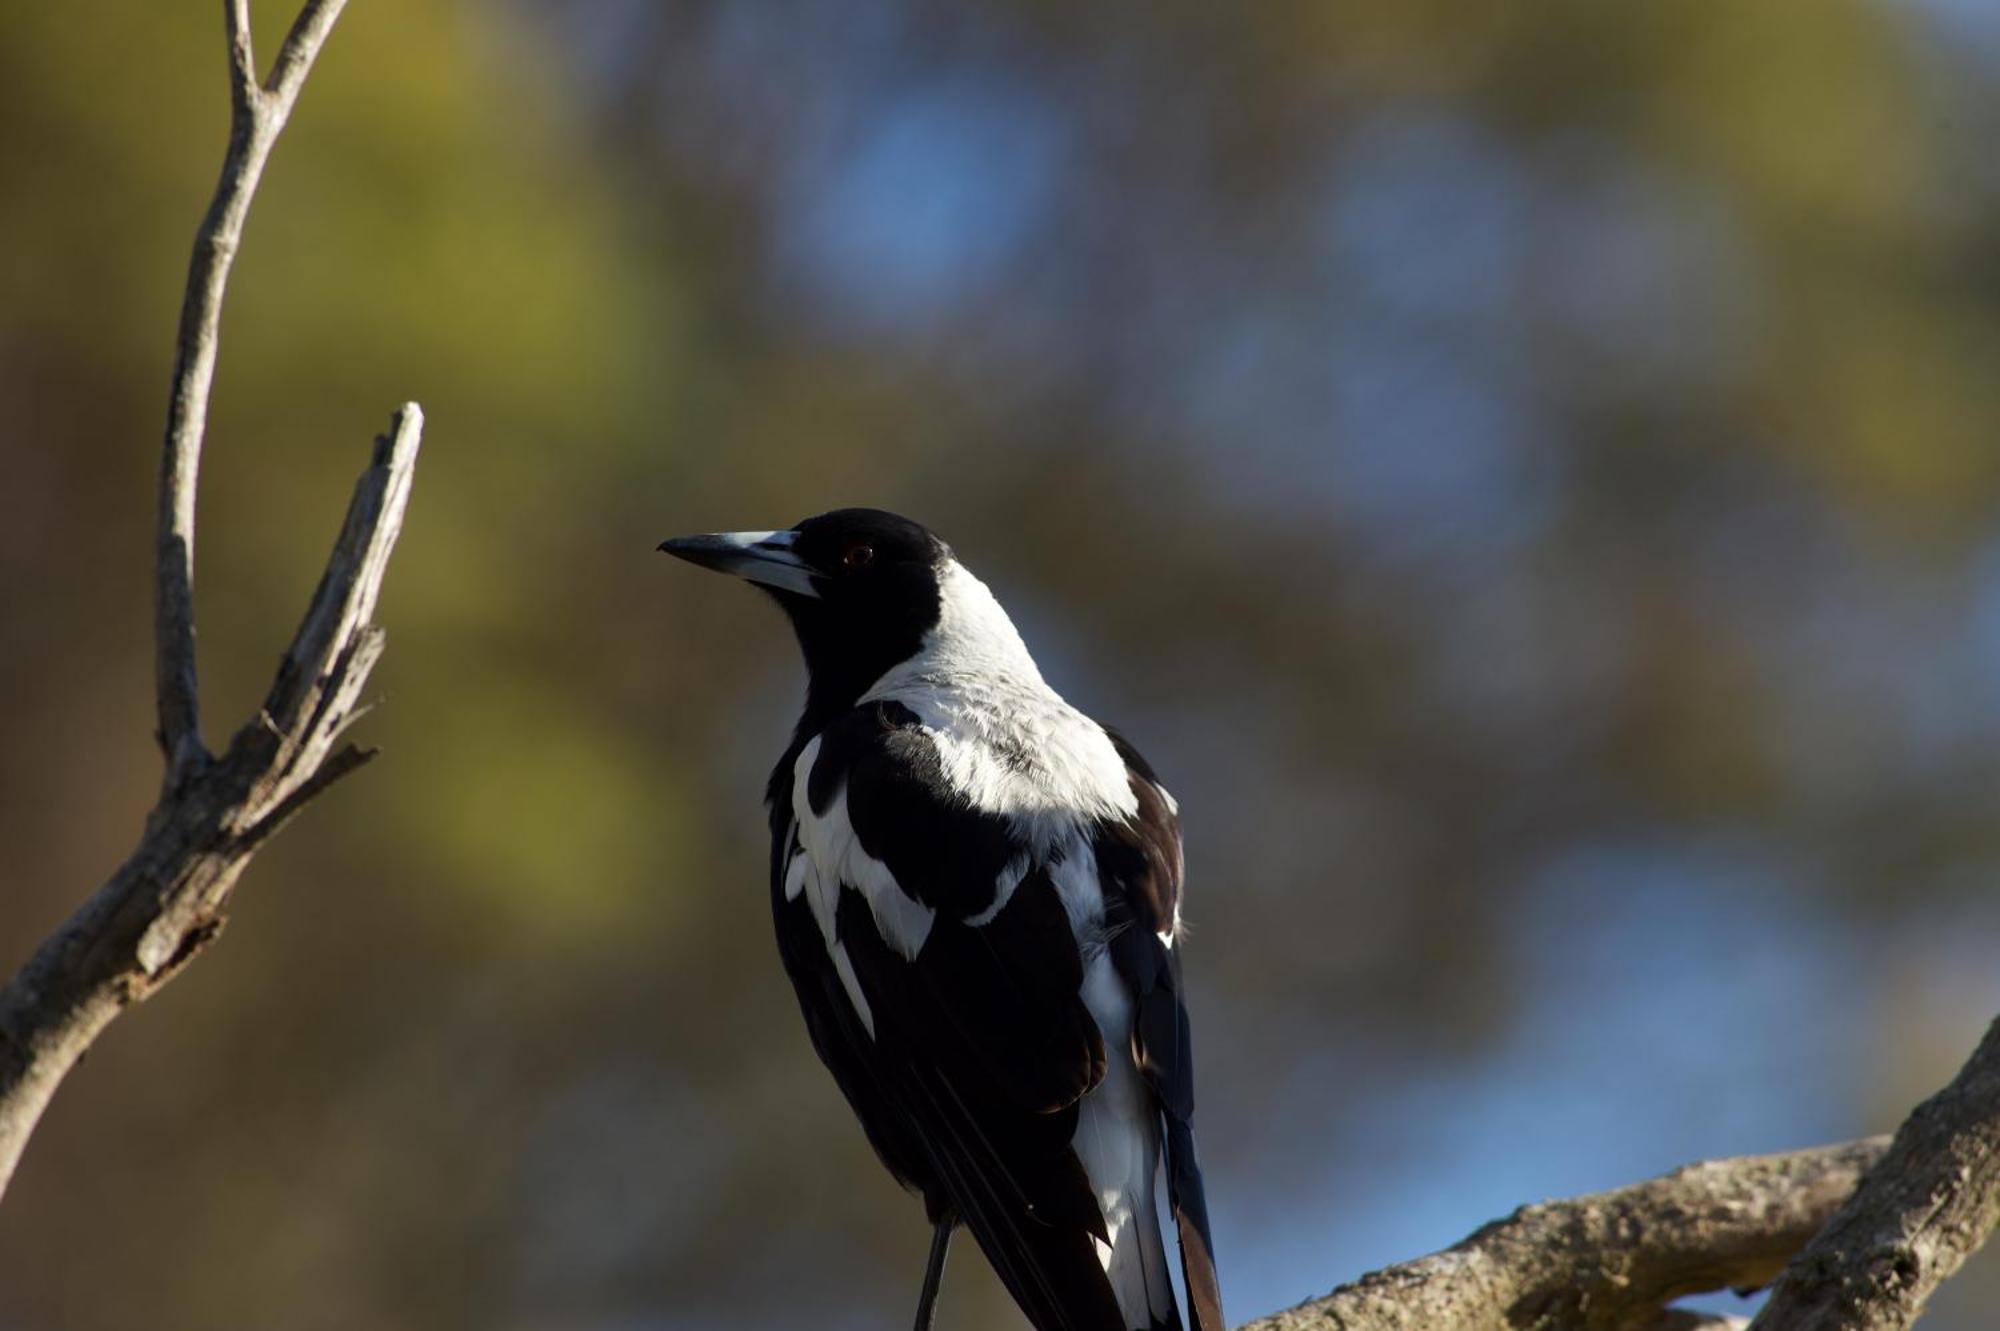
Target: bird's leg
{"type": "Point", "coordinates": [934, 1272]}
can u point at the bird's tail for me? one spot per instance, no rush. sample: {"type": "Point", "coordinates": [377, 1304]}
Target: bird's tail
{"type": "Point", "coordinates": [1190, 1209]}
{"type": "Point", "coordinates": [1135, 1261]}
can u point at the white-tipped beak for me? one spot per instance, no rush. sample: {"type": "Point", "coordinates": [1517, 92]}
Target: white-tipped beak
{"type": "Point", "coordinates": [760, 556]}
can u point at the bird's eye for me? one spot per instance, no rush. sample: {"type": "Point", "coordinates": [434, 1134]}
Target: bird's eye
{"type": "Point", "coordinates": [858, 555]}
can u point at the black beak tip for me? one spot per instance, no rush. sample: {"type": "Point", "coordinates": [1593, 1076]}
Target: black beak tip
{"type": "Point", "coordinates": [711, 552]}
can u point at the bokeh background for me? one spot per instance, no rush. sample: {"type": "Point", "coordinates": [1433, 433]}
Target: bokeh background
{"type": "Point", "coordinates": [1529, 476]}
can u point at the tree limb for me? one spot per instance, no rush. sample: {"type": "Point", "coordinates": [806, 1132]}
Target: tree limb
{"type": "Point", "coordinates": [166, 902]}
{"type": "Point", "coordinates": [256, 117]}
{"type": "Point", "coordinates": [1931, 1202]}
{"type": "Point", "coordinates": [1611, 1261]}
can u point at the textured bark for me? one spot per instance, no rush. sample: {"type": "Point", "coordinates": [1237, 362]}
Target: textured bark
{"type": "Point", "coordinates": [166, 902]}
{"type": "Point", "coordinates": [1931, 1202]}
{"type": "Point", "coordinates": [1611, 1261]}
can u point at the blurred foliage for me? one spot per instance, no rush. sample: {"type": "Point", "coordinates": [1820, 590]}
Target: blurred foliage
{"type": "Point", "coordinates": [1526, 474]}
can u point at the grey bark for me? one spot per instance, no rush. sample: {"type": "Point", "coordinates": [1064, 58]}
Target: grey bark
{"type": "Point", "coordinates": [1930, 1203]}
{"type": "Point", "coordinates": [257, 115]}
{"type": "Point", "coordinates": [1612, 1261]}
{"type": "Point", "coordinates": [166, 902]}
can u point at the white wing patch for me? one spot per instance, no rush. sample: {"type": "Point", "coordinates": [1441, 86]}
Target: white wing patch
{"type": "Point", "coordinates": [802, 878]}
{"type": "Point", "coordinates": [844, 968]}
{"type": "Point", "coordinates": [838, 861]}
{"type": "Point", "coordinates": [1074, 873]}
{"type": "Point", "coordinates": [1010, 876]}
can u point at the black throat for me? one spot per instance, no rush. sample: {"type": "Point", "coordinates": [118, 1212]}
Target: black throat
{"type": "Point", "coordinates": [848, 648]}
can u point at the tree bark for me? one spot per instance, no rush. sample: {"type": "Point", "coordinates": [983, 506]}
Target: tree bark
{"type": "Point", "coordinates": [166, 902]}
{"type": "Point", "coordinates": [1612, 1261]}
{"type": "Point", "coordinates": [1927, 1206]}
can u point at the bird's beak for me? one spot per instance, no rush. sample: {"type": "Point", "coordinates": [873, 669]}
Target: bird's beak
{"type": "Point", "coordinates": [760, 556]}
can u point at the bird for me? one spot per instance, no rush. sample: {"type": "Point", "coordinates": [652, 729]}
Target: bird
{"type": "Point", "coordinates": [977, 895]}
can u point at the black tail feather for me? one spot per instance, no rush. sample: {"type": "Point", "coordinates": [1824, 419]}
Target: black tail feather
{"type": "Point", "coordinates": [1190, 1208]}
{"type": "Point", "coordinates": [1034, 1220]}
{"type": "Point", "coordinates": [1164, 1051]}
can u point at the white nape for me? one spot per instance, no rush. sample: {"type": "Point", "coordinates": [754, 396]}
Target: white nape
{"type": "Point", "coordinates": [1008, 742]}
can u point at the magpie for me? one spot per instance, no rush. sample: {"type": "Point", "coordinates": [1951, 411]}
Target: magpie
{"type": "Point", "coordinates": [977, 891]}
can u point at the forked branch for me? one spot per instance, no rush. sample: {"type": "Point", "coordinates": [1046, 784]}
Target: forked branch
{"type": "Point", "coordinates": [256, 117]}
{"type": "Point", "coordinates": [167, 901]}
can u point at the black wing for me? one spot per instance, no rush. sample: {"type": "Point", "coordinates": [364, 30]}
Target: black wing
{"type": "Point", "coordinates": [1139, 869]}
{"type": "Point", "coordinates": [981, 1046]}
{"type": "Point", "coordinates": [838, 1036]}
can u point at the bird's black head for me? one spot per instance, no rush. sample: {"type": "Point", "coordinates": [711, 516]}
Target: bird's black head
{"type": "Point", "coordinates": [860, 586]}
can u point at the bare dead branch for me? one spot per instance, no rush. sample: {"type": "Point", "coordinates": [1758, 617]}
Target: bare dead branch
{"type": "Point", "coordinates": [256, 118]}
{"type": "Point", "coordinates": [166, 903]}
{"type": "Point", "coordinates": [242, 57]}
{"type": "Point", "coordinates": [301, 48]}
{"type": "Point", "coordinates": [1612, 1261]}
{"type": "Point", "coordinates": [1929, 1205]}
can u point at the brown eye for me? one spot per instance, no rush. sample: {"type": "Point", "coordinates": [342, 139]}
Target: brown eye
{"type": "Point", "coordinates": [859, 555]}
